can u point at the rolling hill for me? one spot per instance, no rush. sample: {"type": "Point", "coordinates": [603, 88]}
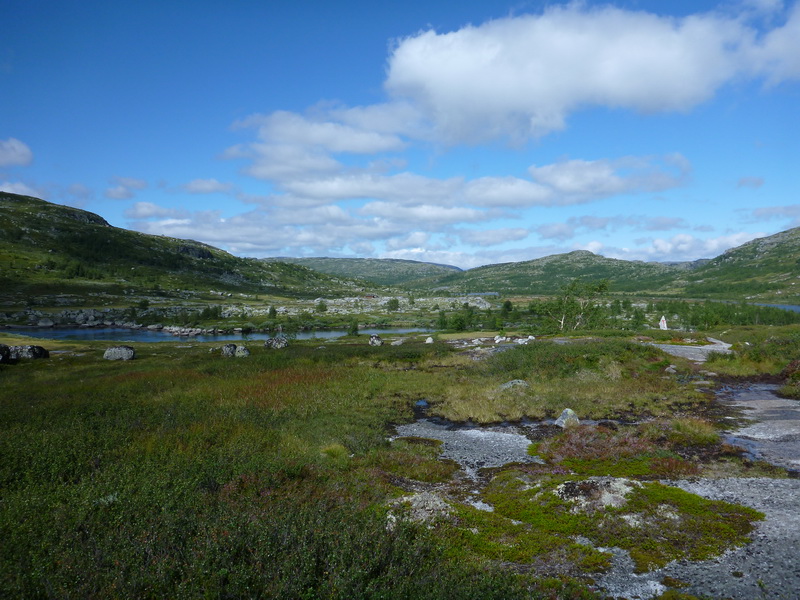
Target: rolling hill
{"type": "Point", "coordinates": [49, 249]}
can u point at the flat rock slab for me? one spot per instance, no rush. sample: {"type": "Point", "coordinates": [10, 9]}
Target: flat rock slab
{"type": "Point", "coordinates": [473, 448]}
{"type": "Point", "coordinates": [776, 432]}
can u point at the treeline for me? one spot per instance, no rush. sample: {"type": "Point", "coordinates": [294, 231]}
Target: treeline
{"type": "Point", "coordinates": [585, 306]}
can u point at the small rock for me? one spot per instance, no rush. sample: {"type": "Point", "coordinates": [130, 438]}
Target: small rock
{"type": "Point", "coordinates": [568, 418]}
{"type": "Point", "coordinates": [119, 353]}
{"type": "Point", "coordinates": [429, 340]}
{"type": "Point", "coordinates": [671, 370]}
{"type": "Point", "coordinates": [514, 383]}
{"type": "Point", "coordinates": [45, 323]}
{"type": "Point", "coordinates": [241, 352]}
{"type": "Point", "coordinates": [229, 350]}
{"type": "Point", "coordinates": [375, 340]}
{"type": "Point", "coordinates": [397, 343]}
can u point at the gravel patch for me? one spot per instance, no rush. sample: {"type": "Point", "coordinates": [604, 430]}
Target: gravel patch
{"type": "Point", "coordinates": [474, 448]}
{"type": "Point", "coordinates": [767, 568]}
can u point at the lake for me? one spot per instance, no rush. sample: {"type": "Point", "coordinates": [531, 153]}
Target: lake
{"type": "Point", "coordinates": [116, 334]}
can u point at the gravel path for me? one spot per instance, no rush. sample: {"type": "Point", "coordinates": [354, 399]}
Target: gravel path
{"type": "Point", "coordinates": [696, 353]}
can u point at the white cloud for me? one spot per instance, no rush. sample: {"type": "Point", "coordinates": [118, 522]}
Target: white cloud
{"type": "Point", "coordinates": [493, 237]}
{"type": "Point", "coordinates": [208, 186]}
{"type": "Point", "coordinates": [14, 153]}
{"type": "Point", "coordinates": [416, 239]}
{"type": "Point", "coordinates": [581, 180]}
{"type": "Point", "coordinates": [283, 127]}
{"type": "Point", "coordinates": [521, 76]}
{"type": "Point", "coordinates": [17, 187]}
{"type": "Point", "coordinates": [125, 188]}
{"type": "Point", "coordinates": [148, 210]}
{"type": "Point", "coordinates": [791, 211]}
{"type": "Point", "coordinates": [508, 191]}
{"type": "Point", "coordinates": [680, 247]}
{"type": "Point", "coordinates": [402, 187]}
{"type": "Point", "coordinates": [424, 215]}
{"type": "Point", "coordinates": [750, 182]}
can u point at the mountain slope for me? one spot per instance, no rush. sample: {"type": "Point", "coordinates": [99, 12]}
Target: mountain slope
{"type": "Point", "coordinates": [48, 248]}
{"type": "Point", "coordinates": [383, 271]}
{"type": "Point", "coordinates": [765, 269]}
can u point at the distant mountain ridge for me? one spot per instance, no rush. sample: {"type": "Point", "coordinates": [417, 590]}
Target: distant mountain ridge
{"type": "Point", "coordinates": [46, 247]}
{"type": "Point", "coordinates": [383, 271]}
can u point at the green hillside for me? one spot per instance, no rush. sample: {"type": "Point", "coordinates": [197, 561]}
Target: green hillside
{"type": "Point", "coordinates": [547, 275]}
{"type": "Point", "coordinates": [49, 249]}
{"type": "Point", "coordinates": [383, 271]}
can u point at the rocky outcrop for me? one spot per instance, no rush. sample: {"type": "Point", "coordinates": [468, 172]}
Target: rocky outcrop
{"type": "Point", "coordinates": [119, 353]}
{"type": "Point", "coordinates": [234, 350]}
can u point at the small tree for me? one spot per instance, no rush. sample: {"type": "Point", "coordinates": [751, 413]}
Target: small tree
{"type": "Point", "coordinates": [393, 304]}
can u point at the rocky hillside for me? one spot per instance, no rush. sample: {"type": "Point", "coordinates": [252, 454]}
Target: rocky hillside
{"type": "Point", "coordinates": [50, 249]}
{"type": "Point", "coordinates": [383, 271]}
{"type": "Point", "coordinates": [766, 269]}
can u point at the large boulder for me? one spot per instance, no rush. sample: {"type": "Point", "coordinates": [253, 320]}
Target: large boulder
{"type": "Point", "coordinates": [119, 353]}
{"type": "Point", "coordinates": [277, 342]}
{"type": "Point", "coordinates": [18, 352]}
{"type": "Point", "coordinates": [241, 352]}
{"type": "Point", "coordinates": [375, 340]}
{"type": "Point", "coordinates": [5, 354]}
{"type": "Point", "coordinates": [229, 350]}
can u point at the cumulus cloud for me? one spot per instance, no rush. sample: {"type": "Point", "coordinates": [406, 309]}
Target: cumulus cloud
{"type": "Point", "coordinates": [14, 153]}
{"type": "Point", "coordinates": [208, 186]}
{"type": "Point", "coordinates": [521, 76]}
{"type": "Point", "coordinates": [124, 188]}
{"type": "Point", "coordinates": [416, 239]}
{"type": "Point", "coordinates": [402, 187]}
{"type": "Point", "coordinates": [680, 247]}
{"type": "Point", "coordinates": [429, 215]}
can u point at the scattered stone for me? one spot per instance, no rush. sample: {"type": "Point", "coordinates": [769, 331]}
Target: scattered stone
{"type": "Point", "coordinates": [597, 493]}
{"type": "Point", "coordinates": [375, 340]}
{"type": "Point", "coordinates": [424, 507]}
{"type": "Point", "coordinates": [45, 323]}
{"type": "Point", "coordinates": [514, 383]}
{"type": "Point", "coordinates": [671, 370]}
{"type": "Point", "coordinates": [17, 352]}
{"type": "Point", "coordinates": [229, 350]}
{"type": "Point", "coordinates": [241, 352]}
{"type": "Point", "coordinates": [276, 343]}
{"type": "Point", "coordinates": [429, 340]}
{"type": "Point", "coordinates": [397, 343]}
{"type": "Point", "coordinates": [568, 418]}
{"type": "Point", "coordinates": [119, 353]}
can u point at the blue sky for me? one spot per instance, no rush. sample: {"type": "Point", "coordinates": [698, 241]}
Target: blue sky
{"type": "Point", "coordinates": [466, 133]}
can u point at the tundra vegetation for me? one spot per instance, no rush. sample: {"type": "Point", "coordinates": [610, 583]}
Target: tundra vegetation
{"type": "Point", "coordinates": [184, 473]}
